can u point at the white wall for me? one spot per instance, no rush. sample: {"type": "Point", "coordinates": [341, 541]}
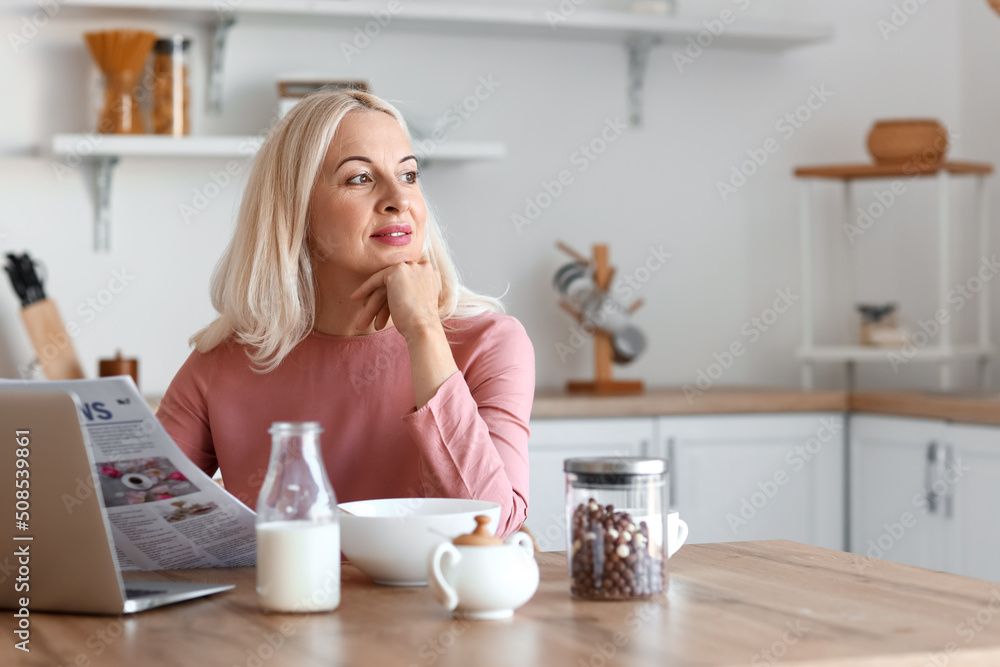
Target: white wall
{"type": "Point", "coordinates": [653, 186]}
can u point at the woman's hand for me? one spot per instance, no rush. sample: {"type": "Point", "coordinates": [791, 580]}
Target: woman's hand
{"type": "Point", "coordinates": [408, 291]}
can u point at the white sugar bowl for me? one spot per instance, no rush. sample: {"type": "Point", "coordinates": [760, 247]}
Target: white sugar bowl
{"type": "Point", "coordinates": [481, 576]}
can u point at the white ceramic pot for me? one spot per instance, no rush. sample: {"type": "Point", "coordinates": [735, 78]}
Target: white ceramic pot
{"type": "Point", "coordinates": [486, 582]}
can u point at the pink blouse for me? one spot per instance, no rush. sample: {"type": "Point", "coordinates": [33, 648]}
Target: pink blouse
{"type": "Point", "coordinates": [469, 441]}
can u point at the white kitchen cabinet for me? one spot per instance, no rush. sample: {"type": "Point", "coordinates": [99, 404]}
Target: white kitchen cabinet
{"type": "Point", "coordinates": [973, 521]}
{"type": "Point", "coordinates": [896, 512]}
{"type": "Point", "coordinates": [754, 477]}
{"type": "Point", "coordinates": [554, 440]}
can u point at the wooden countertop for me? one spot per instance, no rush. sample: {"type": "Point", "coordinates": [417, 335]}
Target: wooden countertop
{"type": "Point", "coordinates": [756, 603]}
{"type": "Point", "coordinates": [966, 408]}
{"type": "Point", "coordinates": [971, 408]}
{"type": "Point", "coordinates": [556, 403]}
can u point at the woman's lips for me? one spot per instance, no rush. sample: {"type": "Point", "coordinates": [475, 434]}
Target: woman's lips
{"type": "Point", "coordinates": [394, 235]}
{"type": "Point", "coordinates": [402, 239]}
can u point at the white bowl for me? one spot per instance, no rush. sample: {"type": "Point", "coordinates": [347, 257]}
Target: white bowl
{"type": "Point", "coordinates": [390, 539]}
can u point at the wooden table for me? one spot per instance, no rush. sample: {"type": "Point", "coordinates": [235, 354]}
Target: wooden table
{"type": "Point", "coordinates": [743, 603]}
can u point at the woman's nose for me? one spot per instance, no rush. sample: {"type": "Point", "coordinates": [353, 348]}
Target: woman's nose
{"type": "Point", "coordinates": [396, 199]}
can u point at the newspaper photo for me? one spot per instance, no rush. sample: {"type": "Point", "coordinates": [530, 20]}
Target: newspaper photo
{"type": "Point", "coordinates": [164, 511]}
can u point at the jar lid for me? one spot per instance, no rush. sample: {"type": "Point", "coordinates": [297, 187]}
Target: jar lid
{"type": "Point", "coordinates": [171, 44]}
{"type": "Point", "coordinates": [617, 465]}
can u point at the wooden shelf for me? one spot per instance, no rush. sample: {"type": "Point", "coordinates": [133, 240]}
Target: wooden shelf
{"type": "Point", "coordinates": [143, 145]}
{"type": "Point", "coordinates": [859, 171]}
{"type": "Point", "coordinates": [491, 19]}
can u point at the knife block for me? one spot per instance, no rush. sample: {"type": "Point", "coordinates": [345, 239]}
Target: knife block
{"type": "Point", "coordinates": [52, 344]}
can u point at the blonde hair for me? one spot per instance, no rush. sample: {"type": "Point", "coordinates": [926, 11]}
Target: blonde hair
{"type": "Point", "coordinates": [263, 285]}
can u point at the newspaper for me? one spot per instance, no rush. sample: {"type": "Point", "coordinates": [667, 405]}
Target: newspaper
{"type": "Point", "coordinates": [165, 512]}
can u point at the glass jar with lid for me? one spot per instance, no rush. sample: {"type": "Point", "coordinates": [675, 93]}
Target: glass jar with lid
{"type": "Point", "coordinates": [616, 514]}
{"type": "Point", "coordinates": [171, 92]}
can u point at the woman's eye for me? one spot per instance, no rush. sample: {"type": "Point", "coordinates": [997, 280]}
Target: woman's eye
{"type": "Point", "coordinates": [361, 179]}
{"type": "Point", "coordinates": [411, 177]}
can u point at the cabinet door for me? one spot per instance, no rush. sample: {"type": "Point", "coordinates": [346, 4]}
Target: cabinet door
{"type": "Point", "coordinates": [973, 525]}
{"type": "Point", "coordinates": [895, 463]}
{"type": "Point", "coordinates": [554, 440]}
{"type": "Point", "coordinates": [757, 477]}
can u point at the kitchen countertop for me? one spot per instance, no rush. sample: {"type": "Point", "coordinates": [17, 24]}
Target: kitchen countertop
{"type": "Point", "coordinates": [656, 401]}
{"type": "Point", "coordinates": [972, 407]}
{"type": "Point", "coordinates": [756, 603]}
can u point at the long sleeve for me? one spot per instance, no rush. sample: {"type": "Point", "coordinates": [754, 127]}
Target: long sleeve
{"type": "Point", "coordinates": [473, 434]}
{"type": "Point", "coordinates": [184, 414]}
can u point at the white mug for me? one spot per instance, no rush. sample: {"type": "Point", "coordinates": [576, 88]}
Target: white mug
{"type": "Point", "coordinates": [677, 532]}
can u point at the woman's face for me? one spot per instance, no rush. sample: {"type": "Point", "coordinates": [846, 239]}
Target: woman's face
{"type": "Point", "coordinates": [366, 210]}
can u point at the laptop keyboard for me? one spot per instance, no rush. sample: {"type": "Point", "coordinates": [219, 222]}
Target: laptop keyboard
{"type": "Point", "coordinates": [141, 593]}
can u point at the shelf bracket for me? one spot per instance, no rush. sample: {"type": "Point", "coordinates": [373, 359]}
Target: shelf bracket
{"type": "Point", "coordinates": [638, 60]}
{"type": "Point", "coordinates": [102, 203]}
{"type": "Point", "coordinates": [215, 75]}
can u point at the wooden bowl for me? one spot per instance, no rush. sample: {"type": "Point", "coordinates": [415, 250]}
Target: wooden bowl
{"type": "Point", "coordinates": [896, 142]}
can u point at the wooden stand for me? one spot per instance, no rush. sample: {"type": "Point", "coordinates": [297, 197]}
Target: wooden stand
{"type": "Point", "coordinates": [603, 384]}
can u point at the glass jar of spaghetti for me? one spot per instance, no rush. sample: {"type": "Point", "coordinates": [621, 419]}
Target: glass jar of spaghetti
{"type": "Point", "coordinates": [171, 94]}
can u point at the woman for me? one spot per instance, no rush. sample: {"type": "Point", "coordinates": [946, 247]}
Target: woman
{"type": "Point", "coordinates": [338, 303]}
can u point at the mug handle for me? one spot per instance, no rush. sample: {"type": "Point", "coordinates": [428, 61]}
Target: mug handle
{"type": "Point", "coordinates": [443, 591]}
{"type": "Point", "coordinates": [682, 535]}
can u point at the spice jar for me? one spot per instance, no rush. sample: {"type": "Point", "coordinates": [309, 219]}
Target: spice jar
{"type": "Point", "coordinates": [171, 95]}
{"type": "Point", "coordinates": [616, 512]}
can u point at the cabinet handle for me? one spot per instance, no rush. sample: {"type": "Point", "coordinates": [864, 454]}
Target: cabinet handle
{"type": "Point", "coordinates": [950, 463]}
{"type": "Point", "coordinates": [933, 463]}
{"type": "Point", "coordinates": [672, 477]}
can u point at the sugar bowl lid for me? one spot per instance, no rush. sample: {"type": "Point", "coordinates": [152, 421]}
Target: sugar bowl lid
{"type": "Point", "coordinates": [480, 537]}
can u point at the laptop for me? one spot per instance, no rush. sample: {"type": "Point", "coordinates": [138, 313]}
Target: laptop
{"type": "Point", "coordinates": [60, 554]}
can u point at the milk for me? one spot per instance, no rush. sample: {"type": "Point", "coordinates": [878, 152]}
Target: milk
{"type": "Point", "coordinates": [298, 565]}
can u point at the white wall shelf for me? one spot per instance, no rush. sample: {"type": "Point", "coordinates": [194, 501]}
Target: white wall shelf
{"type": "Point", "coordinates": [637, 32]}
{"type": "Point", "coordinates": [148, 145]}
{"type": "Point", "coordinates": [869, 353]}
{"type": "Point", "coordinates": [490, 19]}
{"type": "Point", "coordinates": [106, 150]}
{"type": "Point", "coordinates": [938, 348]}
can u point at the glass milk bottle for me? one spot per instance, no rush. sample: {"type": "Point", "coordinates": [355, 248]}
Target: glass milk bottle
{"type": "Point", "coordinates": [298, 532]}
